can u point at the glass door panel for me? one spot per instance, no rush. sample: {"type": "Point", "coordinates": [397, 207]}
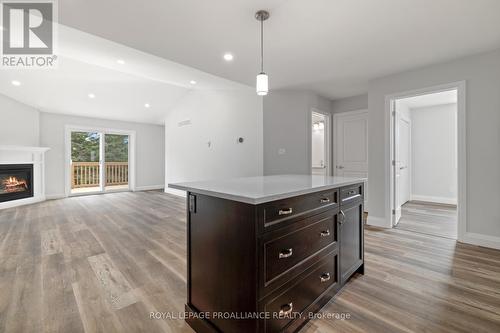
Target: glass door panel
{"type": "Point", "coordinates": [116, 149]}
{"type": "Point", "coordinates": [85, 161]}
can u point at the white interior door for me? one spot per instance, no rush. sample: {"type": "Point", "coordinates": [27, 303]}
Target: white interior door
{"type": "Point", "coordinates": [351, 145]}
{"type": "Point", "coordinates": [404, 160]}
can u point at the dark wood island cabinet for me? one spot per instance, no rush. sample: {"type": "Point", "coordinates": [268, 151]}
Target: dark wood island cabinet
{"type": "Point", "coordinates": [266, 253]}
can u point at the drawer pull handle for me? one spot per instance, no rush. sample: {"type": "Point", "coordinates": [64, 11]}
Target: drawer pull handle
{"type": "Point", "coordinates": [286, 309]}
{"type": "Point", "coordinates": [351, 192]}
{"type": "Point", "coordinates": [341, 220]}
{"type": "Point", "coordinates": [286, 211]}
{"type": "Point", "coordinates": [285, 253]}
{"type": "Point", "coordinates": [324, 200]}
{"type": "Point", "coordinates": [324, 277]}
{"type": "Point", "coordinates": [325, 233]}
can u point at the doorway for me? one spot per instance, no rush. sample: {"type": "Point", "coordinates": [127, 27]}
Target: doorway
{"type": "Point", "coordinates": [320, 143]}
{"type": "Point", "coordinates": [427, 161]}
{"type": "Point", "coordinates": [98, 161]}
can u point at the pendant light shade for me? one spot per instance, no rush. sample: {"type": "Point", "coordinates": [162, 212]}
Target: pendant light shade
{"type": "Point", "coordinates": [262, 84]}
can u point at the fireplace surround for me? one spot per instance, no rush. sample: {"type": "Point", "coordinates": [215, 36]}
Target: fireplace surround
{"type": "Point", "coordinates": [16, 181]}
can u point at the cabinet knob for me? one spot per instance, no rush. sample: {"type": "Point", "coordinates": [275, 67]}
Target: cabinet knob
{"type": "Point", "coordinates": [325, 233]}
{"type": "Point", "coordinates": [286, 309]}
{"type": "Point", "coordinates": [285, 253]}
{"type": "Point", "coordinates": [324, 200]}
{"type": "Point", "coordinates": [286, 211]}
{"type": "Point", "coordinates": [324, 277]}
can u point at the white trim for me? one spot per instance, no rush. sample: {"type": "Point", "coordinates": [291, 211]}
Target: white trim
{"type": "Point", "coordinates": [378, 222]}
{"type": "Point", "coordinates": [482, 240]}
{"type": "Point", "coordinates": [67, 155]}
{"type": "Point", "coordinates": [174, 191]}
{"type": "Point", "coordinates": [24, 148]}
{"type": "Point", "coordinates": [149, 188]}
{"type": "Point", "coordinates": [442, 200]}
{"type": "Point", "coordinates": [461, 151]}
{"type": "Point", "coordinates": [55, 196]}
{"type": "Point", "coordinates": [328, 131]}
{"type": "Point", "coordinates": [21, 202]}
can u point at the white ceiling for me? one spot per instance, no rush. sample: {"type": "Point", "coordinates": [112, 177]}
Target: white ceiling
{"type": "Point", "coordinates": [440, 98]}
{"type": "Point", "coordinates": [88, 64]}
{"type": "Point", "coordinates": [333, 47]}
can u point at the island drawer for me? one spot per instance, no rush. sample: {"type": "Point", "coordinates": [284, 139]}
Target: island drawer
{"type": "Point", "coordinates": [275, 214]}
{"type": "Point", "coordinates": [286, 304]}
{"type": "Point", "coordinates": [351, 194]}
{"type": "Point", "coordinates": [285, 248]}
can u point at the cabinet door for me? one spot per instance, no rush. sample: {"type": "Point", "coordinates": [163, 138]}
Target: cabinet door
{"type": "Point", "coordinates": [350, 240]}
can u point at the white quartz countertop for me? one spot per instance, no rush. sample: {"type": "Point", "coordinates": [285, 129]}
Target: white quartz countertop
{"type": "Point", "coordinates": [257, 190]}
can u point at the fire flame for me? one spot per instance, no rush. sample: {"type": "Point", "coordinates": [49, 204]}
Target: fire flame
{"type": "Point", "coordinates": [13, 184]}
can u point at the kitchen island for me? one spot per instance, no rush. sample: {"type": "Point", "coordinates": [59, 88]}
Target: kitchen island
{"type": "Point", "coordinates": [266, 253]}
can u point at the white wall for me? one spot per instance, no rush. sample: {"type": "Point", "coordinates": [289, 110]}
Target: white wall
{"type": "Point", "coordinates": [20, 123]}
{"type": "Point", "coordinates": [149, 150]}
{"type": "Point", "coordinates": [219, 117]}
{"type": "Point", "coordinates": [287, 126]}
{"type": "Point", "coordinates": [347, 104]}
{"type": "Point", "coordinates": [482, 76]}
{"type": "Point", "coordinates": [434, 153]}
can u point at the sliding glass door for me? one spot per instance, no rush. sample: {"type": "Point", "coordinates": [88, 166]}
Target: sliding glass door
{"type": "Point", "coordinates": [99, 162]}
{"type": "Point", "coordinates": [116, 161]}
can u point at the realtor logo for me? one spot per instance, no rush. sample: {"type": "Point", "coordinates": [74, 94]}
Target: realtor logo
{"type": "Point", "coordinates": [28, 34]}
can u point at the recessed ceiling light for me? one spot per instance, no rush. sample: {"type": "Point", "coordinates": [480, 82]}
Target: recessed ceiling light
{"type": "Point", "coordinates": [228, 57]}
{"type": "Point", "coordinates": [120, 61]}
{"type": "Point", "coordinates": [91, 95]}
{"type": "Point", "coordinates": [147, 105]}
{"type": "Point", "coordinates": [193, 82]}
{"type": "Point", "coordinates": [16, 83]}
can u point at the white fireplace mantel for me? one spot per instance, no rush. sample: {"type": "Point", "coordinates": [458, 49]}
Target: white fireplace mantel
{"type": "Point", "coordinates": [26, 155]}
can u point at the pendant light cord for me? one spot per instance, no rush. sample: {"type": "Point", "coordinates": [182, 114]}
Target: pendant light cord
{"type": "Point", "coordinates": [261, 45]}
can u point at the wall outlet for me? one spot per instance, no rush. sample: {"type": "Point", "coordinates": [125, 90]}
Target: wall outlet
{"type": "Point", "coordinates": [281, 151]}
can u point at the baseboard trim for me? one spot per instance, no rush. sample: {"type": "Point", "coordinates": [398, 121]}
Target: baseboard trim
{"type": "Point", "coordinates": [442, 200]}
{"type": "Point", "coordinates": [149, 188]}
{"type": "Point", "coordinates": [175, 192]}
{"type": "Point", "coordinates": [55, 196]}
{"type": "Point", "coordinates": [378, 222]}
{"type": "Point", "coordinates": [21, 202]}
{"type": "Point", "coordinates": [482, 240]}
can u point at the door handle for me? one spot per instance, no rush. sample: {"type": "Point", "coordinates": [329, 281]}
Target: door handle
{"type": "Point", "coordinates": [285, 253]}
{"type": "Point", "coordinates": [340, 166]}
{"type": "Point", "coordinates": [286, 211]}
{"type": "Point", "coordinates": [324, 277]}
{"type": "Point", "coordinates": [286, 309]}
{"type": "Point", "coordinates": [341, 221]}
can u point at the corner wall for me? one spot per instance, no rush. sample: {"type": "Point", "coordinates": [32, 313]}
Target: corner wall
{"type": "Point", "coordinates": [202, 131]}
{"type": "Point", "coordinates": [287, 130]}
{"type": "Point", "coordinates": [20, 123]}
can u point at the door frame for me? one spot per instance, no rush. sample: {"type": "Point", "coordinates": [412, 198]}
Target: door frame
{"type": "Point", "coordinates": [397, 132]}
{"type": "Point", "coordinates": [460, 86]}
{"type": "Point", "coordinates": [328, 139]}
{"type": "Point", "coordinates": [67, 156]}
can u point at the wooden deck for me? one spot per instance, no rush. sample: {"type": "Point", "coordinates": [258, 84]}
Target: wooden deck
{"type": "Point", "coordinates": [103, 263]}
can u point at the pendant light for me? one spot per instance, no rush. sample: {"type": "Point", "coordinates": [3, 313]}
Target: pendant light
{"type": "Point", "coordinates": [262, 86]}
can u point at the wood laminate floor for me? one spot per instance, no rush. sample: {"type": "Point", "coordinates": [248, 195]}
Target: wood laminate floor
{"type": "Point", "coordinates": [103, 263]}
{"type": "Point", "coordinates": [429, 218]}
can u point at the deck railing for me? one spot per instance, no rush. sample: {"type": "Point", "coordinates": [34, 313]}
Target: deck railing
{"type": "Point", "coordinates": [87, 174]}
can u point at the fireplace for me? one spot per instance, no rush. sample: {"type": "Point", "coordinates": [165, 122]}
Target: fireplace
{"type": "Point", "coordinates": [16, 181]}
